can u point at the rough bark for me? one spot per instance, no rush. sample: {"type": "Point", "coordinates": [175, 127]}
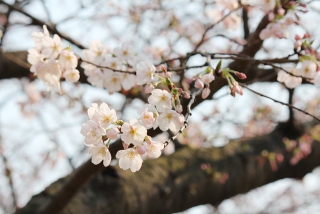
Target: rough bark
{"type": "Point", "coordinates": [177, 182]}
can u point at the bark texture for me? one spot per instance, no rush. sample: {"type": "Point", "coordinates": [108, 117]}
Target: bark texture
{"type": "Point", "coordinates": [177, 182]}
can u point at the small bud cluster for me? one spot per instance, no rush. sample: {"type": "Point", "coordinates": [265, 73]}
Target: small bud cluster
{"type": "Point", "coordinates": [234, 86]}
{"type": "Point", "coordinates": [203, 80]}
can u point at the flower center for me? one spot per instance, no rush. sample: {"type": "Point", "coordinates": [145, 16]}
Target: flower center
{"type": "Point", "coordinates": [131, 155]}
{"type": "Point", "coordinates": [102, 152]}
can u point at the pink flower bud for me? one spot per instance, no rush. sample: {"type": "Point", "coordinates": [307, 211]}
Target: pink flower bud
{"type": "Point", "coordinates": [179, 108]}
{"type": "Point", "coordinates": [303, 5]}
{"type": "Point", "coordinates": [241, 75]}
{"type": "Point", "coordinates": [265, 34]}
{"type": "Point", "coordinates": [168, 74]}
{"type": "Point", "coordinates": [279, 158]}
{"type": "Point", "coordinates": [273, 165]}
{"type": "Point", "coordinates": [271, 16]}
{"type": "Point", "coordinates": [281, 11]}
{"type": "Point", "coordinates": [297, 44]}
{"type": "Point", "coordinates": [125, 146]}
{"type": "Point", "coordinates": [141, 149]}
{"type": "Point", "coordinates": [207, 78]}
{"type": "Point", "coordinates": [112, 134]}
{"type": "Point", "coordinates": [198, 84]}
{"type": "Point", "coordinates": [204, 166]}
{"type": "Point", "coordinates": [306, 35]}
{"type": "Point", "coordinates": [164, 69]}
{"type": "Point", "coordinates": [297, 37]}
{"type": "Point", "coordinates": [148, 139]}
{"type": "Point", "coordinates": [237, 88]}
{"type": "Point", "coordinates": [205, 93]}
{"type": "Point", "coordinates": [186, 95]}
{"type": "Point", "coordinates": [289, 21]}
{"type": "Point", "coordinates": [148, 88]}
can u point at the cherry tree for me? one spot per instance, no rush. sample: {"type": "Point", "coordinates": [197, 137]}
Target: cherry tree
{"type": "Point", "coordinates": [191, 108]}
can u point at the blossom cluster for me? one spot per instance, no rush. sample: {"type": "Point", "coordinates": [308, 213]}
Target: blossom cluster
{"type": "Point", "coordinates": [50, 62]}
{"type": "Point", "coordinates": [292, 76]}
{"type": "Point", "coordinates": [111, 70]}
{"type": "Point", "coordinates": [103, 126]}
{"type": "Point", "coordinates": [300, 148]}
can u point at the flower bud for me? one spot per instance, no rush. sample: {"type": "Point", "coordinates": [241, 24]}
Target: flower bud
{"type": "Point", "coordinates": [207, 78]}
{"type": "Point", "coordinates": [241, 75]}
{"type": "Point", "coordinates": [198, 84]}
{"type": "Point", "coordinates": [205, 93]}
{"type": "Point", "coordinates": [148, 88]}
{"type": "Point", "coordinates": [281, 11]}
{"type": "Point", "coordinates": [297, 37]}
{"type": "Point", "coordinates": [306, 35]}
{"type": "Point", "coordinates": [125, 146]}
{"type": "Point", "coordinates": [141, 149]}
{"type": "Point", "coordinates": [164, 69]}
{"type": "Point", "coordinates": [112, 134]}
{"type": "Point", "coordinates": [148, 139]}
{"type": "Point", "coordinates": [271, 16]}
{"type": "Point", "coordinates": [179, 108]}
{"type": "Point", "coordinates": [186, 95]}
{"type": "Point", "coordinates": [297, 44]}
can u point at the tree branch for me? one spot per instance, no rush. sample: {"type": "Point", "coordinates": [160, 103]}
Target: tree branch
{"type": "Point", "coordinates": [36, 21]}
{"type": "Point", "coordinates": [177, 182]}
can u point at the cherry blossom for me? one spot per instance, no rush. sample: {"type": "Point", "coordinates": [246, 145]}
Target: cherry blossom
{"type": "Point", "coordinates": [95, 53]}
{"type": "Point", "coordinates": [95, 76]}
{"type": "Point", "coordinates": [228, 4]}
{"type": "Point", "coordinates": [149, 116]}
{"type": "Point", "coordinates": [49, 72]}
{"type": "Point", "coordinates": [170, 120]}
{"type": "Point", "coordinates": [38, 37]}
{"type": "Point", "coordinates": [126, 51]}
{"type": "Point", "coordinates": [289, 80]}
{"type": "Point", "coordinates": [128, 81]}
{"type": "Point", "coordinates": [308, 69]}
{"type": "Point", "coordinates": [100, 153]}
{"type": "Point", "coordinates": [112, 81]}
{"type": "Point", "coordinates": [68, 60]}
{"type": "Point", "coordinates": [71, 75]}
{"type": "Point", "coordinates": [52, 46]}
{"type": "Point", "coordinates": [233, 21]}
{"type": "Point", "coordinates": [154, 149]}
{"type": "Point", "coordinates": [129, 159]}
{"type": "Point", "coordinates": [92, 131]}
{"type": "Point", "coordinates": [34, 56]}
{"type": "Point", "coordinates": [266, 5]}
{"type": "Point", "coordinates": [133, 132]}
{"type": "Point", "coordinates": [161, 99]}
{"type": "Point", "coordinates": [145, 72]}
{"type": "Point", "coordinates": [278, 30]}
{"type": "Point", "coordinates": [207, 78]}
{"type": "Point", "coordinates": [102, 114]}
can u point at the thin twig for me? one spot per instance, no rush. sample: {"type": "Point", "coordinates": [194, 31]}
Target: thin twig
{"type": "Point", "coordinates": [282, 103]}
{"type": "Point", "coordinates": [36, 21]}
{"type": "Point", "coordinates": [211, 26]}
{"type": "Point", "coordinates": [186, 117]}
